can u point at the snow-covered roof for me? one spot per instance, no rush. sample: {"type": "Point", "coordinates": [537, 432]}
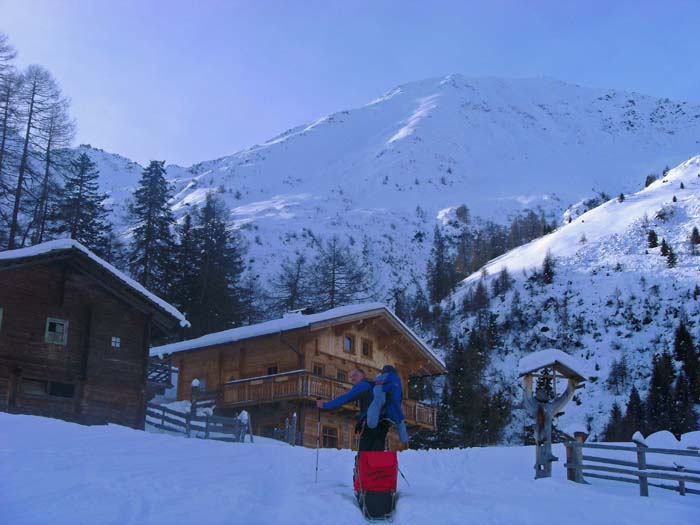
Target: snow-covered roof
{"type": "Point", "coordinates": [291, 321]}
{"type": "Point", "coordinates": [547, 358]}
{"type": "Point", "coordinates": [71, 244]}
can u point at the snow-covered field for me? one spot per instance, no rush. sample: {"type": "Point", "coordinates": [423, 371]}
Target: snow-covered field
{"type": "Point", "coordinates": [61, 473]}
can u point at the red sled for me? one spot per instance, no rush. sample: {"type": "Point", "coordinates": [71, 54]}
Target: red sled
{"type": "Point", "coordinates": [375, 483]}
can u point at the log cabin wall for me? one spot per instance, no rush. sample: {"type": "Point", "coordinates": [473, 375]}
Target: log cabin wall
{"type": "Point", "coordinates": [330, 352]}
{"type": "Point", "coordinates": [86, 379]}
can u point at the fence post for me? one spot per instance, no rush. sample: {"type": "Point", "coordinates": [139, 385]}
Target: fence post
{"type": "Point", "coordinates": [571, 465]}
{"type": "Point", "coordinates": [642, 465]}
{"type": "Point", "coordinates": [681, 483]}
{"type": "Point", "coordinates": [294, 430]}
{"type": "Point", "coordinates": [206, 428]}
{"type": "Point", "coordinates": [250, 428]}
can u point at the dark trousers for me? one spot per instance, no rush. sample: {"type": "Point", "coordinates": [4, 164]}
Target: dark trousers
{"type": "Point", "coordinates": [373, 438]}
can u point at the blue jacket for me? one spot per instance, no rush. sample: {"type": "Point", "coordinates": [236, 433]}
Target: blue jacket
{"type": "Point", "coordinates": [361, 391]}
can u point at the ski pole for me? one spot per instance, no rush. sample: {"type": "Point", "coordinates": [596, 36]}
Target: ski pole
{"type": "Point", "coordinates": [404, 477]}
{"type": "Point", "coordinates": [318, 441]}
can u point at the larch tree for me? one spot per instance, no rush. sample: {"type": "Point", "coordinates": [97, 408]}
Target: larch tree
{"type": "Point", "coordinates": [37, 100]}
{"type": "Point", "coordinates": [151, 251]}
{"type": "Point", "coordinates": [290, 288]}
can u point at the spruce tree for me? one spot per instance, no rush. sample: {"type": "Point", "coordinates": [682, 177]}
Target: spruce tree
{"type": "Point", "coordinates": [219, 302]}
{"type": "Point", "coordinates": [652, 239]}
{"type": "Point", "coordinates": [440, 270]}
{"type": "Point", "coordinates": [664, 247]}
{"type": "Point", "coordinates": [682, 343]}
{"type": "Point", "coordinates": [684, 417]}
{"type": "Point", "coordinates": [80, 213]}
{"type": "Point", "coordinates": [187, 259]}
{"type": "Point", "coordinates": [694, 240]}
{"type": "Point", "coordinates": [671, 259]}
{"type": "Point", "coordinates": [152, 245]}
{"type": "Point", "coordinates": [548, 269]}
{"type": "Point", "coordinates": [545, 383]}
{"type": "Point", "coordinates": [659, 402]}
{"type": "Point", "coordinates": [614, 430]}
{"type": "Point", "coordinates": [635, 416]}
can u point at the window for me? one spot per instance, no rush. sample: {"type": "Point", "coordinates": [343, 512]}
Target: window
{"type": "Point", "coordinates": [34, 387]}
{"type": "Point", "coordinates": [349, 344]}
{"type": "Point", "coordinates": [329, 437]}
{"type": "Point", "coordinates": [56, 331]}
{"type": "Point", "coordinates": [116, 342]}
{"type": "Point", "coordinates": [61, 389]}
{"type": "Point", "coordinates": [366, 348]}
{"type": "Point", "coordinates": [272, 370]}
{"type": "Point", "coordinates": [40, 387]}
{"type": "Point", "coordinates": [342, 375]}
{"type": "Point", "coordinates": [318, 369]}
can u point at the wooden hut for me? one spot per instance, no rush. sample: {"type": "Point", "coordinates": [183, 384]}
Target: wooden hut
{"type": "Point", "coordinates": [75, 334]}
{"type": "Point", "coordinates": [281, 367]}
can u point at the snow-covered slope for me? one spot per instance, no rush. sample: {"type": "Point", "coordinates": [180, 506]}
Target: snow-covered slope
{"type": "Point", "coordinates": [62, 473]}
{"type": "Point", "coordinates": [612, 297]}
{"type": "Point", "coordinates": [386, 170]}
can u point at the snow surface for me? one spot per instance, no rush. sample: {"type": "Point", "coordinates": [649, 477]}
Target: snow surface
{"type": "Point", "coordinates": [612, 297]}
{"type": "Point", "coordinates": [384, 171]}
{"type": "Point", "coordinates": [68, 244]}
{"type": "Point", "coordinates": [549, 357]}
{"type": "Point", "coordinates": [290, 321]}
{"type": "Point", "coordinates": [62, 473]}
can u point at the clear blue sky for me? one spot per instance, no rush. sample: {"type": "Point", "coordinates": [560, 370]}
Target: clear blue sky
{"type": "Point", "coordinates": [192, 80]}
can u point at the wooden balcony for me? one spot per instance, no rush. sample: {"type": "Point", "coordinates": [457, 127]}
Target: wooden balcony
{"type": "Point", "coordinates": [301, 384]}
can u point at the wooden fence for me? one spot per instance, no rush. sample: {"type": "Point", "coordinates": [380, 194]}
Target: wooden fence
{"type": "Point", "coordinates": [204, 427]}
{"type": "Point", "coordinates": [638, 470]}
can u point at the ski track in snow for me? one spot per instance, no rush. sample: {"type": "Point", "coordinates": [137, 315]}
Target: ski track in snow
{"type": "Point", "coordinates": [62, 473]}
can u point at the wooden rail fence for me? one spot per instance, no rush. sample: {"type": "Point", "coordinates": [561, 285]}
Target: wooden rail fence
{"type": "Point", "coordinates": [638, 471]}
{"type": "Point", "coordinates": [204, 427]}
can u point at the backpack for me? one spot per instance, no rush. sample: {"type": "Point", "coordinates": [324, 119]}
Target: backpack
{"type": "Point", "coordinates": [386, 402]}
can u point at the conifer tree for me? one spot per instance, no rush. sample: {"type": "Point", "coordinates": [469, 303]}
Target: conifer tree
{"type": "Point", "coordinates": [614, 430]}
{"type": "Point", "coordinates": [80, 212]}
{"type": "Point", "coordinates": [336, 277]}
{"type": "Point", "coordinates": [652, 239]}
{"type": "Point", "coordinates": [548, 269]}
{"type": "Point", "coordinates": [291, 287]}
{"type": "Point", "coordinates": [664, 247]}
{"type": "Point", "coordinates": [659, 403]}
{"type": "Point", "coordinates": [187, 259]}
{"type": "Point", "coordinates": [684, 417]}
{"type": "Point", "coordinates": [694, 240]}
{"type": "Point", "coordinates": [545, 383]}
{"type": "Point", "coordinates": [152, 245]}
{"type": "Point", "coordinates": [440, 270]}
{"type": "Point", "coordinates": [671, 259]}
{"type": "Point", "coordinates": [634, 419]}
{"type": "Point", "coordinates": [219, 300]}
{"type": "Point", "coordinates": [682, 343]}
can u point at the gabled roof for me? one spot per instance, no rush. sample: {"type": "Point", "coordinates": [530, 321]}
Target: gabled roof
{"type": "Point", "coordinates": [294, 321]}
{"type": "Point", "coordinates": [60, 247]}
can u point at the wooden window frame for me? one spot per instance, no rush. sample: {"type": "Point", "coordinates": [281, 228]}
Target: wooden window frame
{"type": "Point", "coordinates": [370, 345]}
{"type": "Point", "coordinates": [47, 389]}
{"type": "Point", "coordinates": [319, 365]}
{"type": "Point", "coordinates": [338, 373]}
{"type": "Point", "coordinates": [352, 339]}
{"type": "Point", "coordinates": [268, 366]}
{"type": "Point", "coordinates": [66, 325]}
{"type": "Point", "coordinates": [330, 436]}
{"type": "Point", "coordinates": [118, 340]}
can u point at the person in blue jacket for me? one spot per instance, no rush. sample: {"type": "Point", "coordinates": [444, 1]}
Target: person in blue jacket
{"type": "Point", "coordinates": [361, 392]}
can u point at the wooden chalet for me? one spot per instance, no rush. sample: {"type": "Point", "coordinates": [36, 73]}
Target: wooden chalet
{"type": "Point", "coordinates": [281, 367]}
{"type": "Point", "coordinates": [75, 335]}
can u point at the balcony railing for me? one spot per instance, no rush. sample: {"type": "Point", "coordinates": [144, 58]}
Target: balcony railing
{"type": "Point", "coordinates": [301, 384]}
